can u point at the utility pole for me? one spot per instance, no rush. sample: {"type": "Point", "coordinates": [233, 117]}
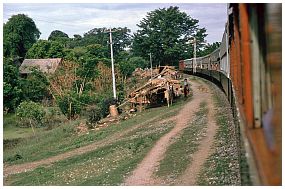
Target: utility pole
{"type": "Point", "coordinates": [150, 60]}
{"type": "Point", "coordinates": [113, 108]}
{"type": "Point", "coordinates": [112, 61]}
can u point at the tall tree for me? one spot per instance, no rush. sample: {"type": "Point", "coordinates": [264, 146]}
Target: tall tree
{"type": "Point", "coordinates": [54, 35]}
{"type": "Point", "coordinates": [121, 38]}
{"type": "Point", "coordinates": [20, 33]}
{"type": "Point", "coordinates": [59, 37]}
{"type": "Point", "coordinates": [165, 33]}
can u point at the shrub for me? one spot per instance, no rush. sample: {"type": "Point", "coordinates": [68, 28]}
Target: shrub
{"type": "Point", "coordinates": [69, 106]}
{"type": "Point", "coordinates": [33, 112]}
{"type": "Point", "coordinates": [95, 115]}
{"type": "Point", "coordinates": [100, 111]}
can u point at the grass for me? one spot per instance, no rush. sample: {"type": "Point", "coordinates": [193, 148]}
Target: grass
{"type": "Point", "coordinates": [12, 131]}
{"type": "Point", "coordinates": [222, 167]}
{"type": "Point", "coordinates": [63, 138]}
{"type": "Point", "coordinates": [178, 154]}
{"type": "Point", "coordinates": [108, 165]}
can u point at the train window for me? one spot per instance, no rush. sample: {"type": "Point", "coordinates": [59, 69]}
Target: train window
{"type": "Point", "coordinates": [260, 73]}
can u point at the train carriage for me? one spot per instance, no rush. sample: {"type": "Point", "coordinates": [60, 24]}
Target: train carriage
{"type": "Point", "coordinates": [248, 67]}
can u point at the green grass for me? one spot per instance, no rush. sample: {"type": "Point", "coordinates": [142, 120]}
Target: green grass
{"type": "Point", "coordinates": [63, 138]}
{"type": "Point", "coordinates": [108, 165]}
{"type": "Point", "coordinates": [222, 167]}
{"type": "Point", "coordinates": [178, 154]}
{"type": "Point", "coordinates": [12, 131]}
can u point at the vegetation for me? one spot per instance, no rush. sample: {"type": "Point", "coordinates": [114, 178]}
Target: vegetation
{"type": "Point", "coordinates": [12, 92]}
{"type": "Point", "coordinates": [63, 138]}
{"type": "Point", "coordinates": [165, 33]}
{"type": "Point", "coordinates": [20, 33]}
{"type": "Point", "coordinates": [57, 35]}
{"type": "Point", "coordinates": [46, 49]}
{"type": "Point", "coordinates": [32, 112]}
{"type": "Point", "coordinates": [35, 86]}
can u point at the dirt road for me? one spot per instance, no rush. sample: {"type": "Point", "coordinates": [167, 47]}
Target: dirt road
{"type": "Point", "coordinates": [143, 174]}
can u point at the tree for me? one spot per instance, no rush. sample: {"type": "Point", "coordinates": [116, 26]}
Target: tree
{"type": "Point", "coordinates": [165, 33]}
{"type": "Point", "coordinates": [56, 34]}
{"type": "Point", "coordinates": [59, 37]}
{"type": "Point", "coordinates": [33, 112]}
{"type": "Point", "coordinates": [35, 86]}
{"type": "Point", "coordinates": [12, 92]}
{"type": "Point", "coordinates": [139, 62]}
{"type": "Point", "coordinates": [20, 33]}
{"type": "Point", "coordinates": [121, 39]}
{"type": "Point", "coordinates": [46, 49]}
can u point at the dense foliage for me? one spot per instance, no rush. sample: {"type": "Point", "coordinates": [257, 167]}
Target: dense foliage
{"type": "Point", "coordinates": [33, 112]}
{"type": "Point", "coordinates": [165, 33]}
{"type": "Point", "coordinates": [12, 92]}
{"type": "Point", "coordinates": [20, 33]}
{"type": "Point", "coordinates": [35, 86]}
{"type": "Point", "coordinates": [56, 34]}
{"type": "Point", "coordinates": [46, 49]}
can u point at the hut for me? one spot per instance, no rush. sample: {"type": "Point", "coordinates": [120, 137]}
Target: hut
{"type": "Point", "coordinates": [48, 66]}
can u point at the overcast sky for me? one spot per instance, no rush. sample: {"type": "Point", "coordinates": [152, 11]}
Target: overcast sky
{"type": "Point", "coordinates": [80, 18]}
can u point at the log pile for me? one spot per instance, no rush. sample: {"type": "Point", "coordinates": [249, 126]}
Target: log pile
{"type": "Point", "coordinates": [154, 89]}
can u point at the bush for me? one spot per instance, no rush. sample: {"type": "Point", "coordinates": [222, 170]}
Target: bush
{"type": "Point", "coordinates": [94, 115]}
{"type": "Point", "coordinates": [32, 112]}
{"type": "Point", "coordinates": [53, 118]}
{"type": "Point", "coordinates": [69, 106]}
{"type": "Point", "coordinates": [35, 86]}
{"type": "Point", "coordinates": [100, 111]}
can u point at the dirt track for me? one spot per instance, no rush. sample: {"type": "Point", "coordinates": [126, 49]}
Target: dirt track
{"type": "Point", "coordinates": [143, 174]}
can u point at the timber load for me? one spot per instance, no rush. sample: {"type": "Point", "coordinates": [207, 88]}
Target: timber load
{"type": "Point", "coordinates": [153, 90]}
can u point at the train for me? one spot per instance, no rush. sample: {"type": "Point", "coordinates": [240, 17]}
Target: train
{"type": "Point", "coordinates": [248, 68]}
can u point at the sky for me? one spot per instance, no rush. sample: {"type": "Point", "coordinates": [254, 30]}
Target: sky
{"type": "Point", "coordinates": [79, 18]}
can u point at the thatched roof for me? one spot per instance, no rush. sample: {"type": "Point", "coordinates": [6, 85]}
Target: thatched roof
{"type": "Point", "coordinates": [45, 65]}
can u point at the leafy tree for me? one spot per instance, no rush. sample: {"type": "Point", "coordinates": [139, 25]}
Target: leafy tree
{"type": "Point", "coordinates": [139, 62]}
{"type": "Point", "coordinates": [33, 112]}
{"type": "Point", "coordinates": [77, 37]}
{"type": "Point", "coordinates": [59, 37]}
{"type": "Point", "coordinates": [12, 92]}
{"type": "Point", "coordinates": [56, 34]}
{"type": "Point", "coordinates": [46, 49]}
{"type": "Point", "coordinates": [121, 39]}
{"type": "Point", "coordinates": [165, 33]}
{"type": "Point", "coordinates": [126, 68]}
{"type": "Point", "coordinates": [35, 86]}
{"type": "Point", "coordinates": [20, 33]}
